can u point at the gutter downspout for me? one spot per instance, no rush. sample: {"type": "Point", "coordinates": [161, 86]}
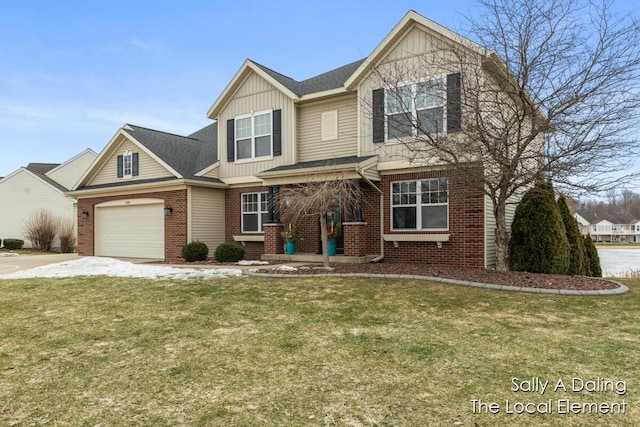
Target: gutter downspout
{"type": "Point", "coordinates": [381, 256]}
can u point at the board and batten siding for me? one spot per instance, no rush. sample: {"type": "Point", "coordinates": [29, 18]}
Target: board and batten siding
{"type": "Point", "coordinates": [256, 95]}
{"type": "Point", "coordinates": [207, 216]}
{"type": "Point", "coordinates": [417, 56]}
{"type": "Point", "coordinates": [149, 168]}
{"type": "Point", "coordinates": [310, 144]}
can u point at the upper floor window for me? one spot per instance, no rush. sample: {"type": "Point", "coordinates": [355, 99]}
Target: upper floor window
{"type": "Point", "coordinates": [255, 212]}
{"type": "Point", "coordinates": [416, 109]}
{"type": "Point", "coordinates": [411, 110]}
{"type": "Point", "coordinates": [127, 165]}
{"type": "Point", "coordinates": [253, 136]}
{"type": "Point", "coordinates": [420, 205]}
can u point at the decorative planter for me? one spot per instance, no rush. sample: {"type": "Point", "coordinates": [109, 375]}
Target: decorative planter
{"type": "Point", "coordinates": [331, 247]}
{"type": "Point", "coordinates": [290, 247]}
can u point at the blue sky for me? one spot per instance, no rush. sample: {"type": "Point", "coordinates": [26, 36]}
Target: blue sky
{"type": "Point", "coordinates": [73, 72]}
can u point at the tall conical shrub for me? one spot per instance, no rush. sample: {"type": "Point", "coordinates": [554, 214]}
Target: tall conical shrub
{"type": "Point", "coordinates": [538, 242]}
{"type": "Point", "coordinates": [577, 252]}
{"type": "Point", "coordinates": [592, 256]}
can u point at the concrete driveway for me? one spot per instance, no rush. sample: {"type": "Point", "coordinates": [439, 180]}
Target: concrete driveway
{"type": "Point", "coordinates": [11, 264]}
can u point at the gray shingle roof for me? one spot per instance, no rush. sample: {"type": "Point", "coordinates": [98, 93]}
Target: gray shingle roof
{"type": "Point", "coordinates": [330, 80]}
{"type": "Point", "coordinates": [40, 169]}
{"type": "Point", "coordinates": [596, 217]}
{"type": "Point", "coordinates": [187, 155]}
{"type": "Point", "coordinates": [321, 163]}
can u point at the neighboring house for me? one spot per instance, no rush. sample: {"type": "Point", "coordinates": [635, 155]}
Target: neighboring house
{"type": "Point", "coordinates": [150, 192]}
{"type": "Point", "coordinates": [40, 186]}
{"type": "Point", "coordinates": [609, 228]}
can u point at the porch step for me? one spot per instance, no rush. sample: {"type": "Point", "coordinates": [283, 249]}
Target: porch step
{"type": "Point", "coordinates": [315, 258]}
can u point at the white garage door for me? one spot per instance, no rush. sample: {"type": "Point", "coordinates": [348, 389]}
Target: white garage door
{"type": "Point", "coordinates": [135, 231]}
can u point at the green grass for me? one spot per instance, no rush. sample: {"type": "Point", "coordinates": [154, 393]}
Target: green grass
{"type": "Point", "coordinates": [322, 351]}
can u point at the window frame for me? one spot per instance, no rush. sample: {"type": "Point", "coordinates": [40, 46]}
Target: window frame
{"type": "Point", "coordinates": [127, 160]}
{"type": "Point", "coordinates": [418, 205]}
{"type": "Point", "coordinates": [253, 136]}
{"type": "Point", "coordinates": [263, 202]}
{"type": "Point", "coordinates": [442, 78]}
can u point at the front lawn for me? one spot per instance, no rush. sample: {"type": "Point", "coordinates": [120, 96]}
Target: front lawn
{"type": "Point", "coordinates": [322, 351]}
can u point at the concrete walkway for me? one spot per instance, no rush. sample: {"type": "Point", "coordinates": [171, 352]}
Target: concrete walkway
{"type": "Point", "coordinates": [10, 263]}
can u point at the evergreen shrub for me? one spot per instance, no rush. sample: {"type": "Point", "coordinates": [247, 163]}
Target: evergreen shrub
{"type": "Point", "coordinates": [538, 242]}
{"type": "Point", "coordinates": [195, 251]}
{"type": "Point", "coordinates": [13, 244]}
{"type": "Point", "coordinates": [577, 252]}
{"type": "Point", "coordinates": [229, 252]}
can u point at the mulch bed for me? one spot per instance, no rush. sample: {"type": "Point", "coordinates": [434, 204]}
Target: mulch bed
{"type": "Point", "coordinates": [511, 278]}
{"type": "Point", "coordinates": [478, 275]}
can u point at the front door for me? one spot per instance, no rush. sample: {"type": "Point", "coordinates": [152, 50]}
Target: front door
{"type": "Point", "coordinates": [334, 219]}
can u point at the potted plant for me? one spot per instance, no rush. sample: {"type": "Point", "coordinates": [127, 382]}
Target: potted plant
{"type": "Point", "coordinates": [333, 233]}
{"type": "Point", "coordinates": [289, 236]}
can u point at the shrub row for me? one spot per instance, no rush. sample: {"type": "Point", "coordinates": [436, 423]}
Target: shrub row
{"type": "Point", "coordinates": [545, 238]}
{"type": "Point", "coordinates": [226, 252]}
{"type": "Point", "coordinates": [12, 244]}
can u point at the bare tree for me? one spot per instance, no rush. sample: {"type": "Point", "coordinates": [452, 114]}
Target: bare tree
{"type": "Point", "coordinates": [316, 198]}
{"type": "Point", "coordinates": [41, 227]}
{"type": "Point", "coordinates": [555, 94]}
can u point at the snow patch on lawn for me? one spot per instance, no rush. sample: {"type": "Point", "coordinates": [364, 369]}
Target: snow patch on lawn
{"type": "Point", "coordinates": [98, 266]}
{"type": "Point", "coordinates": [250, 262]}
{"type": "Point", "coordinates": [286, 268]}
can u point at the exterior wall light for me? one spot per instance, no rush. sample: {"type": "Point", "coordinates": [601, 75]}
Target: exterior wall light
{"type": "Point", "coordinates": [85, 214]}
{"type": "Point", "coordinates": [168, 210]}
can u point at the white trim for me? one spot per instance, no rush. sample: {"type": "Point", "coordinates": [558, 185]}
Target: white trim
{"type": "Point", "coordinates": [417, 205]}
{"type": "Point", "coordinates": [237, 80]}
{"type": "Point", "coordinates": [130, 202]}
{"type": "Point", "coordinates": [60, 166]}
{"type": "Point", "coordinates": [208, 169]}
{"type": "Point", "coordinates": [253, 137]}
{"type": "Point", "coordinates": [245, 238]}
{"type": "Point", "coordinates": [410, 20]}
{"type": "Point", "coordinates": [24, 169]}
{"type": "Point", "coordinates": [259, 212]}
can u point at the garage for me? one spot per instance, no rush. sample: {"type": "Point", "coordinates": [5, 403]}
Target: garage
{"type": "Point", "coordinates": [130, 229]}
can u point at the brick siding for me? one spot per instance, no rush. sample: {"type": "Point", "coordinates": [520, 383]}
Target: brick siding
{"type": "Point", "coordinates": [175, 225]}
{"type": "Point", "coordinates": [465, 247]}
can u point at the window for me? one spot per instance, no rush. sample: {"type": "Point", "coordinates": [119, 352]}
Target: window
{"type": "Point", "coordinates": [127, 165]}
{"type": "Point", "coordinates": [253, 136]}
{"type": "Point", "coordinates": [416, 109]}
{"type": "Point", "coordinates": [420, 205]}
{"type": "Point", "coordinates": [255, 212]}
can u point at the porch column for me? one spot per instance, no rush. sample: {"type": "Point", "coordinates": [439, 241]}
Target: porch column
{"type": "Point", "coordinates": [273, 243]}
{"type": "Point", "coordinates": [354, 238]}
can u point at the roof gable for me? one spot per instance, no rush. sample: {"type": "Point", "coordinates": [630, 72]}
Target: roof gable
{"type": "Point", "coordinates": [181, 156]}
{"type": "Point", "coordinates": [45, 180]}
{"type": "Point", "coordinates": [408, 22]}
{"type": "Point", "coordinates": [293, 89]}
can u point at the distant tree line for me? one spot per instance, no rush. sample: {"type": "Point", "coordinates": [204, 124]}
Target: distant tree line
{"type": "Point", "coordinates": [617, 202]}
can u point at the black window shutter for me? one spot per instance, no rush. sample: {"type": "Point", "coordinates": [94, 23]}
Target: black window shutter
{"type": "Point", "coordinates": [231, 140]}
{"type": "Point", "coordinates": [454, 103]}
{"type": "Point", "coordinates": [277, 132]}
{"type": "Point", "coordinates": [120, 174]}
{"type": "Point", "coordinates": [134, 164]}
{"type": "Point", "coordinates": [273, 198]}
{"type": "Point", "coordinates": [378, 115]}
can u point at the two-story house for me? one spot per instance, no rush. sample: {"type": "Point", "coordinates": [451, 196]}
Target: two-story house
{"type": "Point", "coordinates": [609, 228]}
{"type": "Point", "coordinates": [150, 192]}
